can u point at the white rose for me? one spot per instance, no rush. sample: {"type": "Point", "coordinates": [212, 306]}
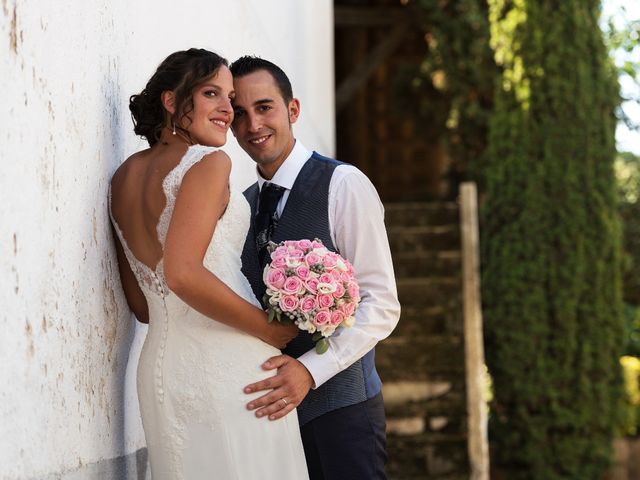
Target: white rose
{"type": "Point", "coordinates": [326, 288]}
{"type": "Point", "coordinates": [327, 330]}
{"type": "Point", "coordinates": [292, 262]}
{"type": "Point", "coordinates": [307, 326]}
{"type": "Point", "coordinates": [274, 297]}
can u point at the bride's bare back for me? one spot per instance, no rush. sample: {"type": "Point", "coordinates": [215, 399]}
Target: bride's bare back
{"type": "Point", "coordinates": [137, 204]}
{"type": "Point", "coordinates": [138, 201]}
{"type": "Point", "coordinates": [138, 198]}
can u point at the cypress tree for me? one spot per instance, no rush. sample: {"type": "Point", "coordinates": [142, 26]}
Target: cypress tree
{"type": "Point", "coordinates": [551, 243]}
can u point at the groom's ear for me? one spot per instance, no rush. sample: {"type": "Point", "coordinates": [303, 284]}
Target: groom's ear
{"type": "Point", "coordinates": [168, 98]}
{"type": "Point", "coordinates": [294, 110]}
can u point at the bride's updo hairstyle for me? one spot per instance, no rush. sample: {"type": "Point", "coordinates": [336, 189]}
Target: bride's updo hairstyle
{"type": "Point", "coordinates": [180, 72]}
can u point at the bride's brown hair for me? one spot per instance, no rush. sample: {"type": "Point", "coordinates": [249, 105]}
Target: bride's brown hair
{"type": "Point", "coordinates": [181, 72]}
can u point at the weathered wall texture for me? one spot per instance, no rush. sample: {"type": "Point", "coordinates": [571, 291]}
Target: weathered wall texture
{"type": "Point", "coordinates": [67, 384]}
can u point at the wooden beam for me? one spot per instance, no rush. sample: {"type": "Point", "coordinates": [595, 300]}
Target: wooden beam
{"type": "Point", "coordinates": [347, 16]}
{"type": "Point", "coordinates": [361, 73]}
{"type": "Point", "coordinates": [477, 442]}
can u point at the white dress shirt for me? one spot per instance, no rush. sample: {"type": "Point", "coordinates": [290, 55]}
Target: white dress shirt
{"type": "Point", "coordinates": [356, 223]}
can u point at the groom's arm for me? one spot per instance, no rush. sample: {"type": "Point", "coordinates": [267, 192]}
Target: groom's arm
{"type": "Point", "coordinates": [356, 217]}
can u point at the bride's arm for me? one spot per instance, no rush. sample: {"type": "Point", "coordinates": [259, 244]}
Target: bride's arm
{"type": "Point", "coordinates": [200, 202]}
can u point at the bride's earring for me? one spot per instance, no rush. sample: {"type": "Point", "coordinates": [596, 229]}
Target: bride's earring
{"type": "Point", "coordinates": [174, 128]}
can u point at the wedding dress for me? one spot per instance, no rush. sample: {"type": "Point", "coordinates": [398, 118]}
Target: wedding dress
{"type": "Point", "coordinates": [192, 368]}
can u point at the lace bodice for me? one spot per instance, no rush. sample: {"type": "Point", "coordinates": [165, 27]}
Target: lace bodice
{"type": "Point", "coordinates": [224, 251]}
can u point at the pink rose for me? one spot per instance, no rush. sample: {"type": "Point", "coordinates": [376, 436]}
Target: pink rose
{"type": "Point", "coordinates": [325, 301]}
{"type": "Point", "coordinates": [346, 277]}
{"type": "Point", "coordinates": [322, 318]}
{"type": "Point", "coordinates": [348, 309]}
{"type": "Point", "coordinates": [317, 244]}
{"type": "Point", "coordinates": [308, 304]}
{"type": "Point", "coordinates": [279, 262]}
{"type": "Point", "coordinates": [288, 303]}
{"type": "Point", "coordinates": [290, 244]}
{"type": "Point", "coordinates": [303, 272]}
{"type": "Point", "coordinates": [275, 278]}
{"type": "Point", "coordinates": [304, 244]}
{"type": "Point", "coordinates": [340, 290]}
{"type": "Point", "coordinates": [297, 254]}
{"type": "Point", "coordinates": [326, 278]}
{"type": "Point", "coordinates": [335, 274]}
{"type": "Point", "coordinates": [313, 258]}
{"type": "Point", "coordinates": [312, 285]}
{"type": "Point", "coordinates": [353, 291]}
{"type": "Point", "coordinates": [280, 252]}
{"type": "Point", "coordinates": [292, 285]}
{"type": "Point", "coordinates": [337, 318]}
{"type": "Point", "coordinates": [348, 265]}
{"type": "Point", "coordinates": [330, 260]}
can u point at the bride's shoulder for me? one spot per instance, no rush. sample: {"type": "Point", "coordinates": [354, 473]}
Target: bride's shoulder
{"type": "Point", "coordinates": [130, 164]}
{"type": "Point", "coordinates": [216, 155]}
{"type": "Point", "coordinates": [214, 160]}
{"type": "Point", "coordinates": [214, 164]}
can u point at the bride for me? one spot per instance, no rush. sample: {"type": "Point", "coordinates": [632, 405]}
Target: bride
{"type": "Point", "coordinates": [180, 229]}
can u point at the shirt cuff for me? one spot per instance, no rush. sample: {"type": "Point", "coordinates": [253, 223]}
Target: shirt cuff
{"type": "Point", "coordinates": [322, 367]}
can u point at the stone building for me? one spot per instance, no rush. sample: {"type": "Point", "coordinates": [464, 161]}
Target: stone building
{"type": "Point", "coordinates": [68, 344]}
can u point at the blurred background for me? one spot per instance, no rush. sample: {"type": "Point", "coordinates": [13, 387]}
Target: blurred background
{"type": "Point", "coordinates": [536, 104]}
{"type": "Point", "coordinates": [502, 136]}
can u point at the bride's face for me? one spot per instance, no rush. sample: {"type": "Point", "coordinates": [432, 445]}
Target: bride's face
{"type": "Point", "coordinates": [212, 113]}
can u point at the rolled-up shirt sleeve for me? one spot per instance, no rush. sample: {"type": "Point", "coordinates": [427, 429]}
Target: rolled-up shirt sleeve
{"type": "Point", "coordinates": [356, 218]}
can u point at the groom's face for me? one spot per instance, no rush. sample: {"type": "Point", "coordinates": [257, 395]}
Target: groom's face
{"type": "Point", "coordinates": [262, 122]}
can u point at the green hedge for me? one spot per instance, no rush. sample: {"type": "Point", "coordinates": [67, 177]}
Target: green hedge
{"type": "Point", "coordinates": [552, 243]}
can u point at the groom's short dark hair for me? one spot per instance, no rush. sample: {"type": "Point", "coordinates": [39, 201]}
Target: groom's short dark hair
{"type": "Point", "coordinates": [249, 64]}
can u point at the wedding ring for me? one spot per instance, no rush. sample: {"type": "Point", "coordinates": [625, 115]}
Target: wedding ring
{"type": "Point", "coordinates": [285, 401]}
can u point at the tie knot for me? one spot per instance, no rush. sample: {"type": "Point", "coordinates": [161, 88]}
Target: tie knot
{"type": "Point", "coordinates": [270, 195]}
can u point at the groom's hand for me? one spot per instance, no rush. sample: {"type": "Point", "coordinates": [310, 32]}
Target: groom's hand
{"type": "Point", "coordinates": [287, 388]}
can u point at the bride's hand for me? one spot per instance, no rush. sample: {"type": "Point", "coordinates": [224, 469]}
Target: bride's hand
{"type": "Point", "coordinates": [279, 335]}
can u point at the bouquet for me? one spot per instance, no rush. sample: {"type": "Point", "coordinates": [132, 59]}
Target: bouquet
{"type": "Point", "coordinates": [312, 287]}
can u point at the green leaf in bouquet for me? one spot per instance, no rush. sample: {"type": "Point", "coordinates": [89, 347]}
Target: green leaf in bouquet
{"type": "Point", "coordinates": [271, 246]}
{"type": "Point", "coordinates": [322, 346]}
{"type": "Point", "coordinates": [283, 318]}
{"type": "Point", "coordinates": [316, 336]}
{"type": "Point", "coordinates": [272, 315]}
{"type": "Point", "coordinates": [286, 319]}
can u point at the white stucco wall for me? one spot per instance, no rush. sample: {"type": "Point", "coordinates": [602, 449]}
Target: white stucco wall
{"type": "Point", "coordinates": [67, 69]}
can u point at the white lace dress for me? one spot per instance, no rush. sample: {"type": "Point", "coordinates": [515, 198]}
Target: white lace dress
{"type": "Point", "coordinates": [192, 369]}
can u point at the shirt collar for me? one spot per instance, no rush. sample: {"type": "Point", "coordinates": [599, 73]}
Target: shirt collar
{"type": "Point", "coordinates": [290, 168]}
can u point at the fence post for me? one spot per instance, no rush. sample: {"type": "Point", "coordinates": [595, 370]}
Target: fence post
{"type": "Point", "coordinates": [474, 349]}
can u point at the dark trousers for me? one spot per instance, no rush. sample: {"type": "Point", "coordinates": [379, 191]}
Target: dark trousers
{"type": "Point", "coordinates": [348, 443]}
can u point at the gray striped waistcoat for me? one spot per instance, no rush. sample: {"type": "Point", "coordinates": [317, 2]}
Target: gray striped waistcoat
{"type": "Point", "coordinates": [306, 215]}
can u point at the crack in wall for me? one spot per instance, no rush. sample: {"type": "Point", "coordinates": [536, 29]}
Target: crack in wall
{"type": "Point", "coordinates": [13, 30]}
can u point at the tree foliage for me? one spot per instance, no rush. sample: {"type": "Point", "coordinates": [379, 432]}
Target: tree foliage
{"type": "Point", "coordinates": [552, 242]}
{"type": "Point", "coordinates": [451, 90]}
{"type": "Point", "coordinates": [627, 168]}
{"type": "Point", "coordinates": [622, 36]}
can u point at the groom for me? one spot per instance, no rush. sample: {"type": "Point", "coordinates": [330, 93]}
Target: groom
{"type": "Point", "coordinates": [302, 194]}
